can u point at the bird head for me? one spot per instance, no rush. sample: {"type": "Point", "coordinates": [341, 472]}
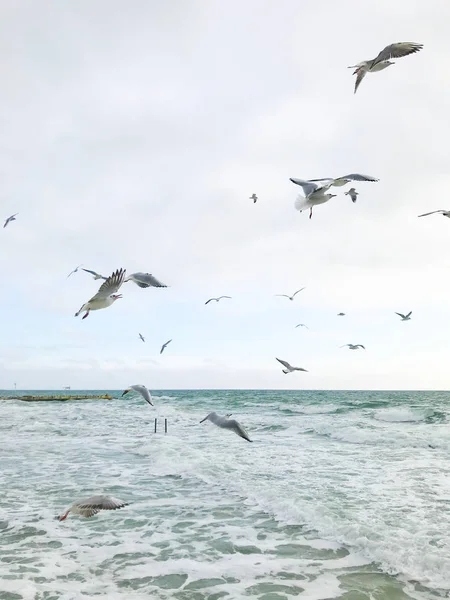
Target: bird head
{"type": "Point", "coordinates": [116, 296]}
{"type": "Point", "coordinates": [331, 196]}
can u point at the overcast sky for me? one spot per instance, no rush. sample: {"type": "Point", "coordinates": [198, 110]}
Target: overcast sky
{"type": "Point", "coordinates": [133, 134]}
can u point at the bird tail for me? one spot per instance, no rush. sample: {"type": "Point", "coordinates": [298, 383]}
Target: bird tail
{"type": "Point", "coordinates": [300, 203]}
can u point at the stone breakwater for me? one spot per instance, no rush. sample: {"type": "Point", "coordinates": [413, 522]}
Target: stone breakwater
{"type": "Point", "coordinates": [57, 398]}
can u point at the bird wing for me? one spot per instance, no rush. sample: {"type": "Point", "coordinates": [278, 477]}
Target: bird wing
{"type": "Point", "coordinates": [357, 177]}
{"type": "Point", "coordinates": [345, 345]}
{"type": "Point", "coordinates": [400, 315]}
{"type": "Point", "coordinates": [396, 50]}
{"type": "Point", "coordinates": [360, 346]}
{"type": "Point", "coordinates": [297, 291]}
{"type": "Point", "coordinates": [284, 363]}
{"type": "Point", "coordinates": [220, 297]}
{"type": "Point", "coordinates": [237, 427]}
{"type": "Point", "coordinates": [353, 196]}
{"type": "Point", "coordinates": [359, 78]}
{"type": "Point", "coordinates": [308, 185]}
{"type": "Point", "coordinates": [141, 389]}
{"type": "Point", "coordinates": [94, 273]}
{"type": "Point", "coordinates": [432, 213]}
{"type": "Point", "coordinates": [210, 300]}
{"type": "Point", "coordinates": [300, 369]}
{"type": "Point", "coordinates": [111, 285]}
{"type": "Point", "coordinates": [145, 280]}
{"type": "Point", "coordinates": [97, 503]}
{"type": "Point", "coordinates": [409, 314]}
{"type": "Point", "coordinates": [282, 295]}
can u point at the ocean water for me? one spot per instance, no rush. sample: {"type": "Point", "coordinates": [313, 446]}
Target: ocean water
{"type": "Point", "coordinates": [341, 495]}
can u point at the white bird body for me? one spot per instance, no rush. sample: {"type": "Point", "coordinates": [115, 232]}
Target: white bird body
{"type": "Point", "coordinates": [225, 423]}
{"type": "Point", "coordinates": [289, 368]}
{"type": "Point", "coordinates": [93, 505]}
{"type": "Point", "coordinates": [140, 389]}
{"type": "Point", "coordinates": [380, 62]}
{"type": "Point", "coordinates": [106, 294]}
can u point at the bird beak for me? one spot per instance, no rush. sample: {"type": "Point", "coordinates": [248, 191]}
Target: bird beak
{"type": "Point", "coordinates": [117, 296]}
{"type": "Point", "coordinates": [125, 392]}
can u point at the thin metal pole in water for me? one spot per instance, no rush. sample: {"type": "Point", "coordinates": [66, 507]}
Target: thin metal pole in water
{"type": "Point", "coordinates": [165, 425]}
{"type": "Point", "coordinates": [156, 420]}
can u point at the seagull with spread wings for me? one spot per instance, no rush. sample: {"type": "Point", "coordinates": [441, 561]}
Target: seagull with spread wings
{"type": "Point", "coordinates": [145, 280]}
{"type": "Point", "coordinates": [353, 346]}
{"type": "Point", "coordinates": [94, 274]}
{"type": "Point", "coordinates": [289, 368]}
{"type": "Point", "coordinates": [444, 213]}
{"type": "Point", "coordinates": [217, 299]}
{"type": "Point", "coordinates": [293, 295]}
{"type": "Point", "coordinates": [352, 193]}
{"type": "Point", "coordinates": [9, 219]}
{"type": "Point", "coordinates": [106, 294]}
{"type": "Point", "coordinates": [405, 317]}
{"type": "Point", "coordinates": [380, 62]}
{"type": "Point", "coordinates": [163, 347]}
{"type": "Point", "coordinates": [301, 325]}
{"type": "Point", "coordinates": [93, 505]}
{"type": "Point", "coordinates": [225, 423]}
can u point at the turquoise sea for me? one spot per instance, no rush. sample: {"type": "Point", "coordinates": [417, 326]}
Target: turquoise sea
{"type": "Point", "coordinates": [341, 495]}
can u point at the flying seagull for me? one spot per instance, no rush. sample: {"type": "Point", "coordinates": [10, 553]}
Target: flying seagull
{"type": "Point", "coordinates": [341, 181]}
{"type": "Point", "coordinates": [289, 368]}
{"type": "Point", "coordinates": [293, 295]}
{"type": "Point", "coordinates": [94, 274]}
{"type": "Point", "coordinates": [217, 299]}
{"type": "Point", "coordinates": [225, 423]}
{"type": "Point", "coordinates": [314, 195]}
{"type": "Point", "coordinates": [352, 193]}
{"type": "Point", "coordinates": [74, 271]}
{"type": "Point", "coordinates": [93, 505]}
{"type": "Point", "coordinates": [163, 347]}
{"type": "Point", "coordinates": [141, 389]}
{"type": "Point", "coordinates": [341, 314]}
{"type": "Point", "coordinates": [353, 346]}
{"type": "Point", "coordinates": [145, 280]}
{"type": "Point", "coordinates": [382, 61]}
{"type": "Point", "coordinates": [106, 294]}
{"type": "Point", "coordinates": [253, 197]}
{"type": "Point", "coordinates": [444, 213]}
{"type": "Point", "coordinates": [405, 317]}
{"type": "Point", "coordinates": [301, 325]}
{"type": "Point", "coordinates": [142, 337]}
{"type": "Point", "coordinates": [9, 219]}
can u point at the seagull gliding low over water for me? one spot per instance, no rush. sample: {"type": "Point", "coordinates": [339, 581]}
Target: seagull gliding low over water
{"type": "Point", "coordinates": [93, 505]}
{"type": "Point", "coordinates": [225, 423]}
{"type": "Point", "coordinates": [140, 389]}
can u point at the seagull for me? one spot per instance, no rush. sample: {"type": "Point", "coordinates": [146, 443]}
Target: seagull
{"type": "Point", "coordinates": [225, 423]}
{"type": "Point", "coordinates": [314, 194]}
{"type": "Point", "coordinates": [141, 389]}
{"type": "Point", "coordinates": [341, 314]}
{"type": "Point", "coordinates": [293, 295]}
{"type": "Point", "coordinates": [253, 197]}
{"type": "Point", "coordinates": [163, 347]}
{"type": "Point", "coordinates": [444, 213]}
{"type": "Point", "coordinates": [405, 317]}
{"type": "Point", "coordinates": [352, 193]}
{"type": "Point", "coordinates": [301, 325]}
{"type": "Point", "coordinates": [145, 280]}
{"type": "Point", "coordinates": [217, 299]}
{"type": "Point", "coordinates": [106, 294]}
{"type": "Point", "coordinates": [94, 274]}
{"type": "Point", "coordinates": [289, 368]}
{"type": "Point", "coordinates": [142, 337]}
{"type": "Point", "coordinates": [93, 505]}
{"type": "Point", "coordinates": [382, 61]}
{"type": "Point", "coordinates": [353, 346]}
{"type": "Point", "coordinates": [9, 219]}
{"type": "Point", "coordinates": [74, 271]}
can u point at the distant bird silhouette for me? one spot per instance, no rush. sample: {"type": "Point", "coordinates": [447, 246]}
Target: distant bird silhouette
{"type": "Point", "coordinates": [353, 346]}
{"type": "Point", "coordinates": [293, 295]}
{"type": "Point", "coordinates": [289, 368]}
{"type": "Point", "coordinates": [301, 325]}
{"type": "Point", "coordinates": [142, 337]}
{"type": "Point", "coordinates": [9, 219]}
{"type": "Point", "coordinates": [163, 347]}
{"type": "Point", "coordinates": [405, 317]}
{"type": "Point", "coordinates": [444, 213]}
{"type": "Point", "coordinates": [217, 299]}
{"type": "Point", "coordinates": [352, 193]}
{"type": "Point", "coordinates": [94, 274]}
{"type": "Point", "coordinates": [253, 197]}
{"type": "Point", "coordinates": [74, 271]}
{"type": "Point", "coordinates": [341, 314]}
